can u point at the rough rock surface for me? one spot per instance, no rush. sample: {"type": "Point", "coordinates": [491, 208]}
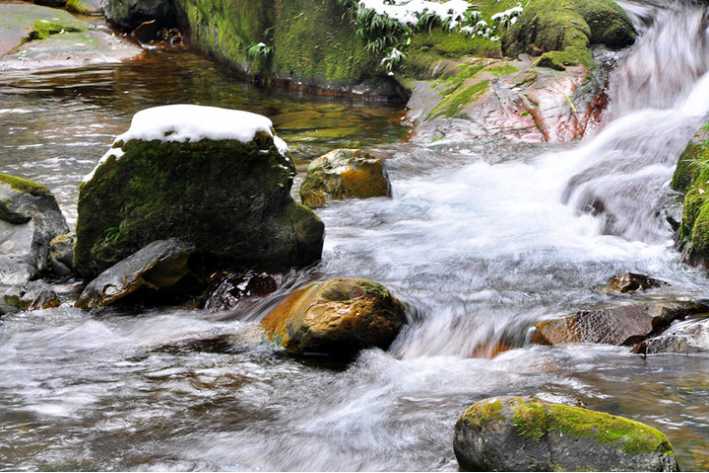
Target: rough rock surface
{"type": "Point", "coordinates": [508, 100]}
{"type": "Point", "coordinates": [229, 198]}
{"type": "Point", "coordinates": [34, 295]}
{"type": "Point", "coordinates": [163, 270]}
{"type": "Point", "coordinates": [626, 325]}
{"type": "Point", "coordinates": [523, 434]}
{"type": "Point", "coordinates": [29, 219]}
{"type": "Point", "coordinates": [686, 338]}
{"type": "Point", "coordinates": [337, 317]}
{"type": "Point", "coordinates": [344, 174]}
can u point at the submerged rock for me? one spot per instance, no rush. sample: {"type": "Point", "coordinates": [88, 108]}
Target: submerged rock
{"type": "Point", "coordinates": [626, 325]}
{"type": "Point", "coordinates": [217, 178]}
{"type": "Point", "coordinates": [523, 434]}
{"type": "Point", "coordinates": [631, 283]}
{"type": "Point", "coordinates": [34, 295]}
{"type": "Point", "coordinates": [226, 290]}
{"type": "Point", "coordinates": [162, 271]}
{"type": "Point", "coordinates": [30, 219]}
{"type": "Point", "coordinates": [338, 317]}
{"type": "Point", "coordinates": [344, 174]}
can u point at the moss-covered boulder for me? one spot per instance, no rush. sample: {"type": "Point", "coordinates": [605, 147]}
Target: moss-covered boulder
{"type": "Point", "coordinates": [338, 317]}
{"type": "Point", "coordinates": [691, 177]}
{"type": "Point", "coordinates": [344, 174]}
{"type": "Point", "coordinates": [217, 178]}
{"type": "Point", "coordinates": [523, 434]}
{"type": "Point", "coordinates": [163, 271]}
{"type": "Point", "coordinates": [561, 31]}
{"type": "Point", "coordinates": [626, 325]}
{"type": "Point", "coordinates": [29, 219]}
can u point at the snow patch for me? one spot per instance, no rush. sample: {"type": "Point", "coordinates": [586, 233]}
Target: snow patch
{"type": "Point", "coordinates": [407, 12]}
{"type": "Point", "coordinates": [113, 152]}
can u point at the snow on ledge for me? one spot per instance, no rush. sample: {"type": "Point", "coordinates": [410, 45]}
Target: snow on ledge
{"type": "Point", "coordinates": [196, 122]}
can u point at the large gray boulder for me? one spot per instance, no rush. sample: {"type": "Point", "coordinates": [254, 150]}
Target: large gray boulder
{"type": "Point", "coordinates": [29, 219]}
{"type": "Point", "coordinates": [217, 178]}
{"type": "Point", "coordinates": [523, 434]}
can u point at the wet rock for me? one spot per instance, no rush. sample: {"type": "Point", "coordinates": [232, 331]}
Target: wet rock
{"type": "Point", "coordinates": [29, 219]}
{"type": "Point", "coordinates": [129, 14]}
{"type": "Point", "coordinates": [524, 434]}
{"type": "Point", "coordinates": [51, 3]}
{"type": "Point", "coordinates": [338, 317]}
{"type": "Point", "coordinates": [631, 283]}
{"type": "Point", "coordinates": [231, 198]}
{"type": "Point", "coordinates": [164, 270]}
{"type": "Point", "coordinates": [85, 7]}
{"type": "Point", "coordinates": [626, 325]}
{"type": "Point", "coordinates": [34, 295]}
{"type": "Point", "coordinates": [685, 338]}
{"type": "Point", "coordinates": [344, 174]}
{"type": "Point", "coordinates": [21, 22]}
{"type": "Point", "coordinates": [225, 290]}
{"type": "Point", "coordinates": [33, 37]}
{"type": "Point", "coordinates": [507, 100]}
{"type": "Point", "coordinates": [61, 254]}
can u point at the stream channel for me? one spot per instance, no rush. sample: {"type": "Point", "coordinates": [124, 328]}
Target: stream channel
{"type": "Point", "coordinates": [481, 240]}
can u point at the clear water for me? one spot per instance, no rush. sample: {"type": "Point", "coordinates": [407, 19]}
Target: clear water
{"type": "Point", "coordinates": [481, 242]}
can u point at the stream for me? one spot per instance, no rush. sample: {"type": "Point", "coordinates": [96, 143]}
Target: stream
{"type": "Point", "coordinates": [481, 241]}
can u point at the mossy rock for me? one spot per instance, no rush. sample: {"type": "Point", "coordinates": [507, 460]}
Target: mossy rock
{"type": "Point", "coordinates": [231, 199]}
{"type": "Point", "coordinates": [691, 177]}
{"type": "Point", "coordinates": [561, 31]}
{"type": "Point", "coordinates": [34, 295]}
{"type": "Point", "coordinates": [523, 434]}
{"type": "Point", "coordinates": [338, 317]}
{"type": "Point", "coordinates": [344, 174]}
{"type": "Point", "coordinates": [29, 219]}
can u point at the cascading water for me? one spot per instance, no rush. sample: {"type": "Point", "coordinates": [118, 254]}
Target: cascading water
{"type": "Point", "coordinates": [480, 241]}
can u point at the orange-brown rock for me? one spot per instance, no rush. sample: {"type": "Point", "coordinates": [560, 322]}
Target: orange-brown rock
{"type": "Point", "coordinates": [344, 174]}
{"type": "Point", "coordinates": [630, 283]}
{"type": "Point", "coordinates": [338, 317]}
{"type": "Point", "coordinates": [626, 325]}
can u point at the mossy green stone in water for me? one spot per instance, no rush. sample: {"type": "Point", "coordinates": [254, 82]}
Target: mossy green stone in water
{"type": "Point", "coordinates": [231, 199]}
{"type": "Point", "coordinates": [524, 434]}
{"type": "Point", "coordinates": [24, 185]}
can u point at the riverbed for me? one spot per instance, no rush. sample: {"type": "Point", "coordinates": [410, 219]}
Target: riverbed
{"type": "Point", "coordinates": [480, 240]}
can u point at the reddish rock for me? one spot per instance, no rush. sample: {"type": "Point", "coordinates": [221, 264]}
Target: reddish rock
{"type": "Point", "coordinates": [631, 283]}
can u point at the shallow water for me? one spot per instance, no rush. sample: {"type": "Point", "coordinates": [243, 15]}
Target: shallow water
{"type": "Point", "coordinates": [480, 241]}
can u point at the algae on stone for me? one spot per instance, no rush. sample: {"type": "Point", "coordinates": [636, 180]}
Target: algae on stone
{"type": "Point", "coordinates": [231, 199]}
{"type": "Point", "coordinates": [523, 434]}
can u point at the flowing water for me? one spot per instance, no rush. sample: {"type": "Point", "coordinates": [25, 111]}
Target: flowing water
{"type": "Point", "coordinates": [480, 241]}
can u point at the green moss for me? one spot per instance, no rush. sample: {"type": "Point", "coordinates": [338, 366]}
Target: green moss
{"type": "Point", "coordinates": [23, 185]}
{"type": "Point", "coordinates": [43, 29]}
{"type": "Point", "coordinates": [502, 70]}
{"type": "Point", "coordinates": [453, 104]}
{"type": "Point", "coordinates": [567, 27]}
{"type": "Point", "coordinates": [536, 420]}
{"type": "Point", "coordinates": [484, 413]}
